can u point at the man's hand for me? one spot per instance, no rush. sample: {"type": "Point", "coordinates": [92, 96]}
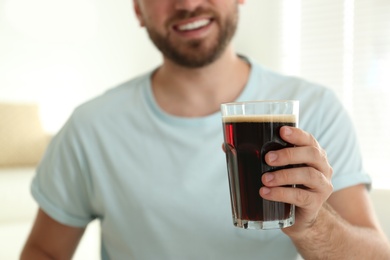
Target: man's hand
{"type": "Point", "coordinates": [315, 176]}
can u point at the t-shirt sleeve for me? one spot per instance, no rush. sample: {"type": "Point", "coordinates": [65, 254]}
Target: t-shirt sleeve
{"type": "Point", "coordinates": [61, 186]}
{"type": "Point", "coordinates": [336, 134]}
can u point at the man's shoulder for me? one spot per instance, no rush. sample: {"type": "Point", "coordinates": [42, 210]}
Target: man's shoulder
{"type": "Point", "coordinates": [284, 83]}
{"type": "Point", "coordinates": [118, 94]}
{"type": "Point", "coordinates": [127, 86]}
{"type": "Point", "coordinates": [114, 101]}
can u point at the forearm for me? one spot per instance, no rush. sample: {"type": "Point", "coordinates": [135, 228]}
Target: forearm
{"type": "Point", "coordinates": [31, 253]}
{"type": "Point", "coordinates": [50, 239]}
{"type": "Point", "coordinates": [331, 237]}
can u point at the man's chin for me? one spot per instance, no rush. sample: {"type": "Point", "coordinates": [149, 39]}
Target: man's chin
{"type": "Point", "coordinates": [194, 58]}
{"type": "Point", "coordinates": [194, 62]}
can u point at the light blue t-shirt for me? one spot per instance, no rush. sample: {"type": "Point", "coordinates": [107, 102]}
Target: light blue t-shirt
{"type": "Point", "coordinates": [158, 183]}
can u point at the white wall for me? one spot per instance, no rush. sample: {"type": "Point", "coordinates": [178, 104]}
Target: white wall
{"type": "Point", "coordinates": [61, 53]}
{"type": "Point", "coordinates": [259, 31]}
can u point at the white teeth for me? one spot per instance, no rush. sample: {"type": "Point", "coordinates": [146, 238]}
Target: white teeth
{"type": "Point", "coordinates": [194, 25]}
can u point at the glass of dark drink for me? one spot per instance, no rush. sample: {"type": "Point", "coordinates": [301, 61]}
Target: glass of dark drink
{"type": "Point", "coordinates": [251, 129]}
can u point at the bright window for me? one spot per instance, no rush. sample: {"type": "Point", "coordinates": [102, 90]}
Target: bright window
{"type": "Point", "coordinates": [345, 45]}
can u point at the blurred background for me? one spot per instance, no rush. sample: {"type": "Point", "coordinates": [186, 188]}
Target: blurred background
{"type": "Point", "coordinates": [56, 54]}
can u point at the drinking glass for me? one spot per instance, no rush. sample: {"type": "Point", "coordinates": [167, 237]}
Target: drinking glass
{"type": "Point", "coordinates": [251, 130]}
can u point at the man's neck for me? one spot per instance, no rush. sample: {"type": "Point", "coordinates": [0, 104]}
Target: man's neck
{"type": "Point", "coordinates": [198, 92]}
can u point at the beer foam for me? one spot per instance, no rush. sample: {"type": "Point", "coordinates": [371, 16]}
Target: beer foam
{"type": "Point", "coordinates": [259, 118]}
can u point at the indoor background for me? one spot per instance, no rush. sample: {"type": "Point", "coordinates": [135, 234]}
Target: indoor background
{"type": "Point", "coordinates": [56, 54]}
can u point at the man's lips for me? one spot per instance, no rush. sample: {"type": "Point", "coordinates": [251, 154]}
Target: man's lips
{"type": "Point", "coordinates": [193, 25]}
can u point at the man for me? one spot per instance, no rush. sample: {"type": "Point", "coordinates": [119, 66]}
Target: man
{"type": "Point", "coordinates": [145, 158]}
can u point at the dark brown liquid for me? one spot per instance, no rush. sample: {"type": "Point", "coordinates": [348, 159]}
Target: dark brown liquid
{"type": "Point", "coordinates": [246, 144]}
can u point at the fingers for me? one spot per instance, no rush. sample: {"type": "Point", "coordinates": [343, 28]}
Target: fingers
{"type": "Point", "coordinates": [306, 176]}
{"type": "Point", "coordinates": [315, 176]}
{"type": "Point", "coordinates": [317, 187]}
{"type": "Point", "coordinates": [297, 137]}
{"type": "Point", "coordinates": [308, 155]}
{"type": "Point", "coordinates": [299, 197]}
{"type": "Point", "coordinates": [307, 151]}
{"type": "Point", "coordinates": [302, 198]}
{"type": "Point", "coordinates": [224, 147]}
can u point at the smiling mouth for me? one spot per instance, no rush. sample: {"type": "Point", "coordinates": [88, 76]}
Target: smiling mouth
{"type": "Point", "coordinates": [193, 25]}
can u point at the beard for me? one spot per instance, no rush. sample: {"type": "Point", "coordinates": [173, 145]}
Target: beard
{"type": "Point", "coordinates": [196, 53]}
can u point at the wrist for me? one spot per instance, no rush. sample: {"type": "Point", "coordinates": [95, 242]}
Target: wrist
{"type": "Point", "coordinates": [320, 226]}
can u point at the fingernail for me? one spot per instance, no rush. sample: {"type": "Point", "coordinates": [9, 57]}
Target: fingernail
{"type": "Point", "coordinates": [269, 177]}
{"type": "Point", "coordinates": [265, 190]}
{"type": "Point", "coordinates": [287, 131]}
{"type": "Point", "coordinates": [272, 156]}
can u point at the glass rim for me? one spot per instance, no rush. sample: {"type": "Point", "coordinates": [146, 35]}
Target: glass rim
{"type": "Point", "coordinates": [260, 102]}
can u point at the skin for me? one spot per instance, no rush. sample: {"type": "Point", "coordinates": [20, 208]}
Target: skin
{"type": "Point", "coordinates": [50, 239]}
{"type": "Point", "coordinates": [329, 225]}
{"type": "Point", "coordinates": [338, 225]}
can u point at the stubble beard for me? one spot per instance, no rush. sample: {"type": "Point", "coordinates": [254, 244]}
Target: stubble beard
{"type": "Point", "coordinates": [196, 53]}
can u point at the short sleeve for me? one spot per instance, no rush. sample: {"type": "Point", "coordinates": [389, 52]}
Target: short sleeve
{"type": "Point", "coordinates": [61, 186]}
{"type": "Point", "coordinates": [336, 134]}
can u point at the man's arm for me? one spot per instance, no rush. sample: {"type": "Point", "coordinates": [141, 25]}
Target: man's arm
{"type": "Point", "coordinates": [345, 228]}
{"type": "Point", "coordinates": [328, 225]}
{"type": "Point", "coordinates": [50, 239]}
